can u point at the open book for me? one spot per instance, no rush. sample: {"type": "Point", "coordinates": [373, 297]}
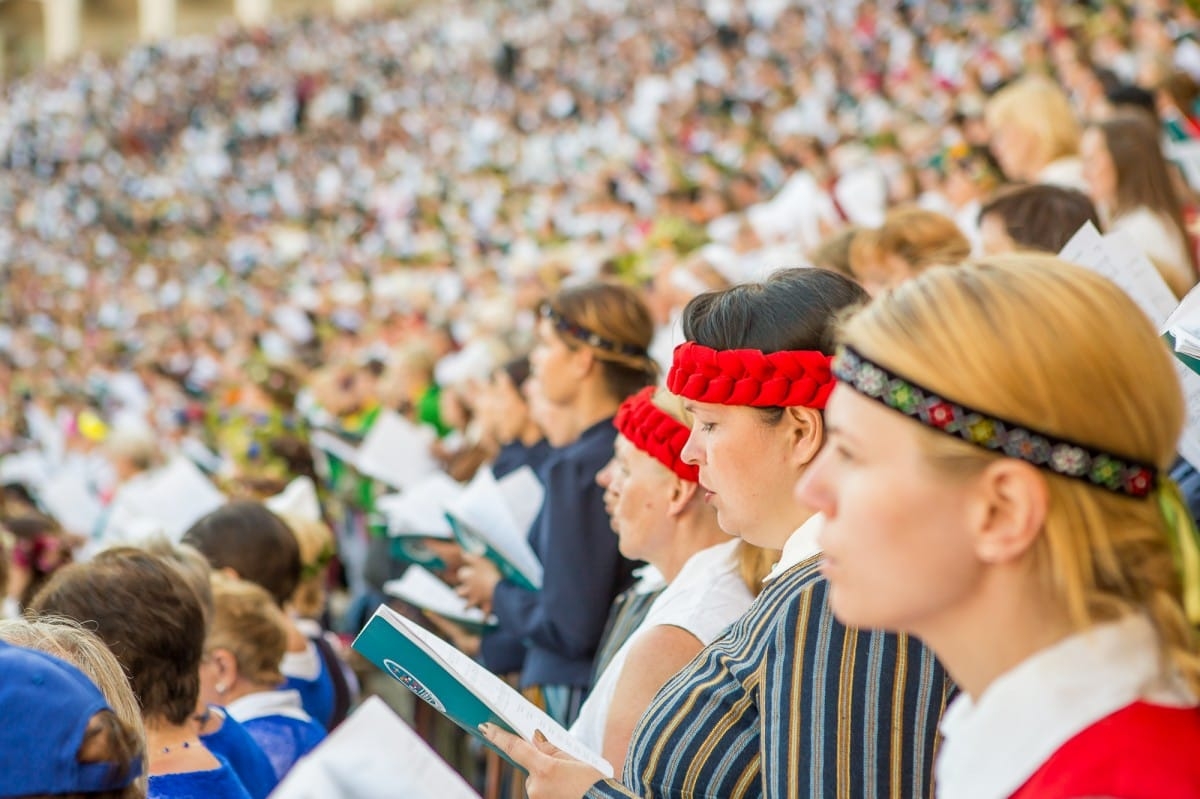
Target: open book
{"type": "Point", "coordinates": [492, 518]}
{"type": "Point", "coordinates": [420, 588]}
{"type": "Point", "coordinates": [418, 514]}
{"type": "Point", "coordinates": [457, 686]}
{"type": "Point", "coordinates": [373, 755]}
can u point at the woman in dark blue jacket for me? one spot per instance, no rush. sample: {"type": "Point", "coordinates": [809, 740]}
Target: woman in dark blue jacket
{"type": "Point", "coordinates": [590, 355]}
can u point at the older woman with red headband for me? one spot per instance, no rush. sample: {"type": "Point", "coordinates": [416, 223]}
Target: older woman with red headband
{"type": "Point", "coordinates": [788, 702]}
{"type": "Point", "coordinates": [660, 516]}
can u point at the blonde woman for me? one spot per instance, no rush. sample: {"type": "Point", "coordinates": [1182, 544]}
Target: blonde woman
{"type": "Point", "coordinates": [660, 516]}
{"type": "Point", "coordinates": [240, 671]}
{"type": "Point", "coordinates": [1035, 134]}
{"type": "Point", "coordinates": [909, 241]}
{"type": "Point", "coordinates": [991, 485]}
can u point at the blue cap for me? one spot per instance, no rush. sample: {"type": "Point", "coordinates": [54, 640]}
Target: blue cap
{"type": "Point", "coordinates": [45, 707]}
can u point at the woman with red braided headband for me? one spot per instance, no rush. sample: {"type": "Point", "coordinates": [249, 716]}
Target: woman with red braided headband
{"type": "Point", "coordinates": [990, 486]}
{"type": "Point", "coordinates": [660, 516]}
{"type": "Point", "coordinates": [788, 702]}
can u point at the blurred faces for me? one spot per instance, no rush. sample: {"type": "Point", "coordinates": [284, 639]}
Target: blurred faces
{"type": "Point", "coordinates": [743, 471]}
{"type": "Point", "coordinates": [897, 541]}
{"type": "Point", "coordinates": [551, 364]}
{"type": "Point", "coordinates": [507, 408]}
{"type": "Point", "coordinates": [1013, 147]}
{"type": "Point", "coordinates": [993, 235]}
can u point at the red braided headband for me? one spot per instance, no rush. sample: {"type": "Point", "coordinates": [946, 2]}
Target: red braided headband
{"type": "Point", "coordinates": [655, 433]}
{"type": "Point", "coordinates": [785, 379]}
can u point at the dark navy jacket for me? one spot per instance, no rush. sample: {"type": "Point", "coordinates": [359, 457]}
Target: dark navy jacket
{"type": "Point", "coordinates": [562, 623]}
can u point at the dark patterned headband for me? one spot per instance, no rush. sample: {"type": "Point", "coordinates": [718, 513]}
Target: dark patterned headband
{"type": "Point", "coordinates": [576, 331]}
{"type": "Point", "coordinates": [1057, 455]}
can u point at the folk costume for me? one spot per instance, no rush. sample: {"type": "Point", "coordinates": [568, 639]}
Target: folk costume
{"type": "Point", "coordinates": [788, 702]}
{"type": "Point", "coordinates": [1100, 713]}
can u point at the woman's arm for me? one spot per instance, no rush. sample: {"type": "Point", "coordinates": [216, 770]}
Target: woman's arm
{"type": "Point", "coordinates": [658, 655]}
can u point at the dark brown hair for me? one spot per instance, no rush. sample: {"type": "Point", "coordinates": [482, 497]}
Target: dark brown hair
{"type": "Point", "coordinates": [1132, 140]}
{"type": "Point", "coordinates": [615, 313]}
{"type": "Point", "coordinates": [1040, 216]}
{"type": "Point", "coordinates": [255, 543]}
{"type": "Point", "coordinates": [147, 616]}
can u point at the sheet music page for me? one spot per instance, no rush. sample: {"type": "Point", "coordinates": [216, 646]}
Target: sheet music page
{"type": "Point", "coordinates": [484, 507]}
{"type": "Point", "coordinates": [1118, 258]}
{"type": "Point", "coordinates": [421, 508]}
{"type": "Point", "coordinates": [524, 493]}
{"type": "Point", "coordinates": [420, 587]}
{"type": "Point", "coordinates": [508, 704]}
{"type": "Point", "coordinates": [396, 451]}
{"type": "Point", "coordinates": [373, 754]}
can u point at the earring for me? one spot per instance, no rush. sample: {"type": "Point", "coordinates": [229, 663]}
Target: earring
{"type": "Point", "coordinates": [222, 688]}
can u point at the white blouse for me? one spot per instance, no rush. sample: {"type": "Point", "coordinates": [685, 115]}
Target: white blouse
{"type": "Point", "coordinates": [993, 746]}
{"type": "Point", "coordinates": [705, 598]}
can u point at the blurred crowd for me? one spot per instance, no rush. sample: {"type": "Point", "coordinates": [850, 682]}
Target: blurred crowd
{"type": "Point", "coordinates": [214, 247]}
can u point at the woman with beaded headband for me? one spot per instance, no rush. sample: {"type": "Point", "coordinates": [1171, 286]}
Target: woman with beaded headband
{"type": "Point", "coordinates": [660, 516]}
{"type": "Point", "coordinates": [590, 354]}
{"type": "Point", "coordinates": [990, 486]}
{"type": "Point", "coordinates": [788, 702]}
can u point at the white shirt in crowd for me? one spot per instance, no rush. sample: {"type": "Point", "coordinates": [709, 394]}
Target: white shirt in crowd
{"type": "Point", "coordinates": [705, 598]}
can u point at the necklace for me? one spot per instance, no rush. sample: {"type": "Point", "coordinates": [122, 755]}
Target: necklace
{"type": "Point", "coordinates": [166, 750]}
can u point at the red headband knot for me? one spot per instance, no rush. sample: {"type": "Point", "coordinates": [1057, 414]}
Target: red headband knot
{"type": "Point", "coordinates": [655, 433]}
{"type": "Point", "coordinates": [785, 379]}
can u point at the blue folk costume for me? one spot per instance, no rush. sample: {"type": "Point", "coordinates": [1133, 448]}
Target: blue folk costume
{"type": "Point", "coordinates": [561, 624]}
{"type": "Point", "coordinates": [232, 742]}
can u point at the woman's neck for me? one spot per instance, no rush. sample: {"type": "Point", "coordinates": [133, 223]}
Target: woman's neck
{"type": "Point", "coordinates": [593, 404]}
{"type": "Point", "coordinates": [691, 535]}
{"type": "Point", "coordinates": [999, 627]}
{"type": "Point", "coordinates": [531, 434]}
{"type": "Point", "coordinates": [174, 748]}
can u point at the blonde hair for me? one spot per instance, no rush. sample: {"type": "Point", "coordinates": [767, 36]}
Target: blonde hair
{"type": "Point", "coordinates": [248, 623]}
{"type": "Point", "coordinates": [316, 548]}
{"type": "Point", "coordinates": [1037, 105]}
{"type": "Point", "coordinates": [1031, 339]}
{"type": "Point", "coordinates": [754, 563]}
{"type": "Point", "coordinates": [917, 237]}
{"type": "Point", "coordinates": [68, 640]}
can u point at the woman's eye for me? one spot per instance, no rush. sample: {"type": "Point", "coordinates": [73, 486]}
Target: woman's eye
{"type": "Point", "coordinates": [706, 427]}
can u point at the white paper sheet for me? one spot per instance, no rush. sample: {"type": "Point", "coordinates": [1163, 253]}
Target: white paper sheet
{"type": "Point", "coordinates": [167, 501]}
{"type": "Point", "coordinates": [397, 452]}
{"type": "Point", "coordinates": [68, 498]}
{"type": "Point", "coordinates": [421, 509]}
{"type": "Point", "coordinates": [1118, 258]}
{"type": "Point", "coordinates": [420, 587]}
{"type": "Point", "coordinates": [500, 513]}
{"type": "Point", "coordinates": [373, 755]}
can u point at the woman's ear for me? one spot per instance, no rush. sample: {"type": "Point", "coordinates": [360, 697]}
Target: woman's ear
{"type": "Point", "coordinates": [682, 492]}
{"type": "Point", "coordinates": [1013, 502]}
{"type": "Point", "coordinates": [227, 668]}
{"type": "Point", "coordinates": [806, 434]}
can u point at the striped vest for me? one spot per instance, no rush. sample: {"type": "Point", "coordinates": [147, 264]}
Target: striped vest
{"type": "Point", "coordinates": [791, 703]}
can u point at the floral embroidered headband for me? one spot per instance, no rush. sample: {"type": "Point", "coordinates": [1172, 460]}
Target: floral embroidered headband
{"type": "Point", "coordinates": [656, 433]}
{"type": "Point", "coordinates": [580, 333]}
{"type": "Point", "coordinates": [1060, 456]}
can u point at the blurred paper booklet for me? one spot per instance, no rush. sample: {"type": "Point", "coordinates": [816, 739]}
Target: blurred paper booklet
{"type": "Point", "coordinates": [419, 511]}
{"type": "Point", "coordinates": [492, 517]}
{"type": "Point", "coordinates": [417, 514]}
{"type": "Point", "coordinates": [424, 590]}
{"type": "Point", "coordinates": [457, 686]}
{"type": "Point", "coordinates": [396, 452]}
{"type": "Point", "coordinates": [373, 755]}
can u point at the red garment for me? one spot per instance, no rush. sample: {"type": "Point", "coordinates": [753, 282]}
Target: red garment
{"type": "Point", "coordinates": [1142, 751]}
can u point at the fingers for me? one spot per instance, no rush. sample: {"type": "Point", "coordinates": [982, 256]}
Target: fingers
{"type": "Point", "coordinates": [517, 749]}
{"type": "Point", "coordinates": [542, 743]}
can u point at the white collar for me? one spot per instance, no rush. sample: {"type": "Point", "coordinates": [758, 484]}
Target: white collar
{"type": "Point", "coordinates": [993, 746]}
{"type": "Point", "coordinates": [801, 546]}
{"type": "Point", "coordinates": [267, 703]}
{"type": "Point", "coordinates": [650, 580]}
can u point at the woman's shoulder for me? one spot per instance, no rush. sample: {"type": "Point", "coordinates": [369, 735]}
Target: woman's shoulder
{"type": "Point", "coordinates": [1143, 751]}
{"type": "Point", "coordinates": [217, 783]}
